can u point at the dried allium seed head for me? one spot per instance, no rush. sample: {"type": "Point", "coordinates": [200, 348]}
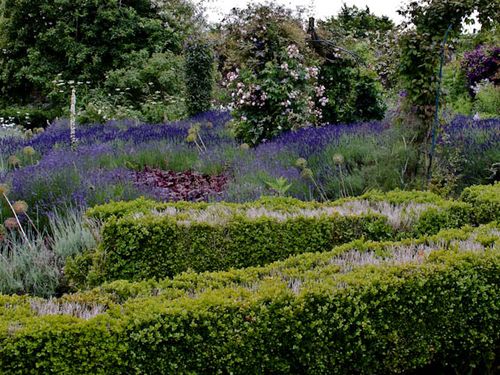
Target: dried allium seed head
{"type": "Point", "coordinates": [191, 138]}
{"type": "Point", "coordinates": [13, 161]}
{"type": "Point", "coordinates": [28, 133]}
{"type": "Point", "coordinates": [4, 189]}
{"type": "Point", "coordinates": [245, 146]}
{"type": "Point", "coordinates": [20, 207]}
{"type": "Point", "coordinates": [29, 151]}
{"type": "Point", "coordinates": [338, 159]}
{"type": "Point", "coordinates": [39, 130]}
{"type": "Point", "coordinates": [11, 223]}
{"type": "Point", "coordinates": [301, 163]}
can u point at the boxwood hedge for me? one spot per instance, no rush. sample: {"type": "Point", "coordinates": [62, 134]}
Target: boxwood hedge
{"type": "Point", "coordinates": [144, 239]}
{"type": "Point", "coordinates": [367, 311]}
{"type": "Point", "coordinates": [485, 200]}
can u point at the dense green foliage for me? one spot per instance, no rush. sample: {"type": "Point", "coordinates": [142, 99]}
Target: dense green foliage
{"type": "Point", "coordinates": [359, 23]}
{"type": "Point", "coordinates": [30, 118]}
{"type": "Point", "coordinates": [353, 92]}
{"type": "Point", "coordinates": [356, 63]}
{"type": "Point", "coordinates": [199, 69]}
{"type": "Point", "coordinates": [311, 313]}
{"type": "Point", "coordinates": [485, 200]}
{"type": "Point", "coordinates": [47, 45]}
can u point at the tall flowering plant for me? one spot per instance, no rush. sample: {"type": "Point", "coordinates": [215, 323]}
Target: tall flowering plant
{"type": "Point", "coordinates": [283, 95]}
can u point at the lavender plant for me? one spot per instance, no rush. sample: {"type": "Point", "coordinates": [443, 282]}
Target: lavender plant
{"type": "Point", "coordinates": [374, 156]}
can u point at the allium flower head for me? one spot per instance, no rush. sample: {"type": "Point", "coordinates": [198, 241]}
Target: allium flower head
{"type": "Point", "coordinates": [20, 207]}
{"type": "Point", "coordinates": [301, 163]}
{"type": "Point", "coordinates": [11, 223]}
{"type": "Point", "coordinates": [29, 151]}
{"type": "Point", "coordinates": [13, 161]}
{"type": "Point", "coordinates": [4, 189]}
{"type": "Point", "coordinates": [338, 159]}
{"type": "Point", "coordinates": [307, 174]}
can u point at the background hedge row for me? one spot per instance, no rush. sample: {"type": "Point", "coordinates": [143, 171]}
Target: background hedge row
{"type": "Point", "coordinates": [442, 311]}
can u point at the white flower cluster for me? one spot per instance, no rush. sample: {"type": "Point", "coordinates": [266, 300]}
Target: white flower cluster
{"type": "Point", "coordinates": [293, 52]}
{"type": "Point", "coordinates": [6, 123]}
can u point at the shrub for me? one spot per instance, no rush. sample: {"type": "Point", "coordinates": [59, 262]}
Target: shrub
{"type": "Point", "coordinates": [281, 95]}
{"type": "Point", "coordinates": [353, 93]}
{"type": "Point", "coordinates": [160, 246]}
{"type": "Point", "coordinates": [175, 237]}
{"type": "Point", "coordinates": [198, 71]}
{"type": "Point", "coordinates": [29, 117]}
{"type": "Point", "coordinates": [346, 311]}
{"type": "Point", "coordinates": [36, 267]}
{"type": "Point", "coordinates": [270, 73]}
{"type": "Point", "coordinates": [466, 150]}
{"type": "Point", "coordinates": [488, 99]}
{"type": "Point", "coordinates": [485, 201]}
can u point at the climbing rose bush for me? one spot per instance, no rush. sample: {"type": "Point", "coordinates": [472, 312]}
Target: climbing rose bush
{"type": "Point", "coordinates": [284, 95]}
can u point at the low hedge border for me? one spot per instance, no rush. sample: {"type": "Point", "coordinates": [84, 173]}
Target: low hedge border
{"type": "Point", "coordinates": [143, 239]}
{"type": "Point", "coordinates": [119, 291]}
{"type": "Point", "coordinates": [442, 311]}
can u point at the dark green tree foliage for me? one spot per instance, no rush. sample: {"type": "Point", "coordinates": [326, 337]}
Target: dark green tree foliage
{"type": "Point", "coordinates": [359, 23]}
{"type": "Point", "coordinates": [351, 81]}
{"type": "Point", "coordinates": [80, 39]}
{"type": "Point", "coordinates": [199, 75]}
{"type": "Point", "coordinates": [353, 93]}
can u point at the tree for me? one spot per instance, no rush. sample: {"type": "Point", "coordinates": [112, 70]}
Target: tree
{"type": "Point", "coordinates": [81, 39]}
{"type": "Point", "coordinates": [359, 23]}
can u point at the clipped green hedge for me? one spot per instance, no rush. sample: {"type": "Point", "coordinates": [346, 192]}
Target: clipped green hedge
{"type": "Point", "coordinates": [143, 205]}
{"type": "Point", "coordinates": [160, 246]}
{"type": "Point", "coordinates": [308, 314]}
{"type": "Point", "coordinates": [449, 239]}
{"type": "Point", "coordinates": [139, 244]}
{"type": "Point", "coordinates": [485, 200]}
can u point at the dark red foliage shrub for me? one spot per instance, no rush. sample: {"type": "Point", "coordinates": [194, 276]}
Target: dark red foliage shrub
{"type": "Point", "coordinates": [177, 186]}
